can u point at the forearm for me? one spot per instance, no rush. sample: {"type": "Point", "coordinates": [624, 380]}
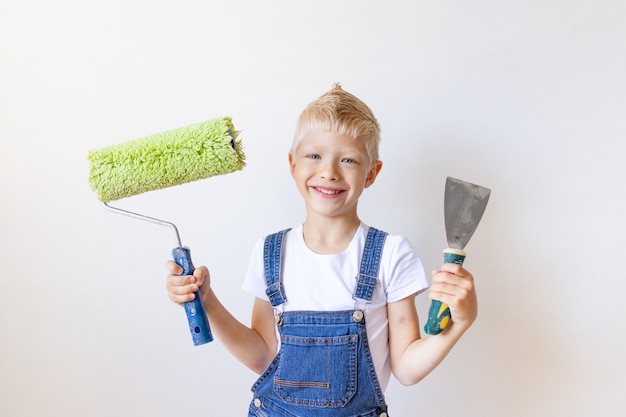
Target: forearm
{"type": "Point", "coordinates": [412, 358]}
{"type": "Point", "coordinates": [422, 356]}
{"type": "Point", "coordinates": [243, 342]}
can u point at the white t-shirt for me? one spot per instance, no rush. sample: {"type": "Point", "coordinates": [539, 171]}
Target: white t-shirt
{"type": "Point", "coordinates": [326, 282]}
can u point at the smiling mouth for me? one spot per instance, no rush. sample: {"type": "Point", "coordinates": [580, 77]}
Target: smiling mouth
{"type": "Point", "coordinates": [327, 191]}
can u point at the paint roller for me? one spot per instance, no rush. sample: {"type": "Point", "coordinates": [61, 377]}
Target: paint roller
{"type": "Point", "coordinates": [161, 160]}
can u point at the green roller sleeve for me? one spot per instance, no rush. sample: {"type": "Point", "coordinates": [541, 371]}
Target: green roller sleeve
{"type": "Point", "coordinates": [439, 313]}
{"type": "Point", "coordinates": [165, 159]}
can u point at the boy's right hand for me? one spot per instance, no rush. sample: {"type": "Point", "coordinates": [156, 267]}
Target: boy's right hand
{"type": "Point", "coordinates": [181, 288]}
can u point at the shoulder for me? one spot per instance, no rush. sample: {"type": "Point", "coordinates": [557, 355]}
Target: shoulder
{"type": "Point", "coordinates": [276, 235]}
{"type": "Point", "coordinates": [277, 240]}
{"type": "Point", "coordinates": [395, 244]}
{"type": "Point", "coordinates": [402, 272]}
{"type": "Point", "coordinates": [398, 245]}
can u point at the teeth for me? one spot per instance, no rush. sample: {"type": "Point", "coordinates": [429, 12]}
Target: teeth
{"type": "Point", "coordinates": [329, 192]}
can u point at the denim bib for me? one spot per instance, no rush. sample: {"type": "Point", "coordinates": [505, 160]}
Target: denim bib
{"type": "Point", "coordinates": [324, 366]}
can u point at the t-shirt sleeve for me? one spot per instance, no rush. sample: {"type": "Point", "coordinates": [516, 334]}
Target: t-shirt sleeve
{"type": "Point", "coordinates": [254, 281]}
{"type": "Point", "coordinates": [404, 273]}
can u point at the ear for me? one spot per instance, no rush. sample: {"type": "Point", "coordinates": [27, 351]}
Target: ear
{"type": "Point", "coordinates": [373, 173]}
{"type": "Point", "coordinates": [292, 163]}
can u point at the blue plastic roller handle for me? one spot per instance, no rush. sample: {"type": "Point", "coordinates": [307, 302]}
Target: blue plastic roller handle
{"type": "Point", "coordinates": [196, 315]}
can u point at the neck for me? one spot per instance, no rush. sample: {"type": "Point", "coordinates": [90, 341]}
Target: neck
{"type": "Point", "coordinates": [329, 235]}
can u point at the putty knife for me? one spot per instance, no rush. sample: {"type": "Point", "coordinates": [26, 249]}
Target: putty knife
{"type": "Point", "coordinates": [464, 205]}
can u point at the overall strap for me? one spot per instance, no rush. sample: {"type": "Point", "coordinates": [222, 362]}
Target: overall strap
{"type": "Point", "coordinates": [370, 264]}
{"type": "Point", "coordinates": [272, 254]}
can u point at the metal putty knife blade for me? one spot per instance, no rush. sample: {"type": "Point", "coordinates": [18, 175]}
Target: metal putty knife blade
{"type": "Point", "coordinates": [464, 205]}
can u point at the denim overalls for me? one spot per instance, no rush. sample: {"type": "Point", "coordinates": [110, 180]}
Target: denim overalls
{"type": "Point", "coordinates": [324, 366]}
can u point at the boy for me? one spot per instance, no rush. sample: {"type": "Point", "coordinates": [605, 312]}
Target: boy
{"type": "Point", "coordinates": [334, 313]}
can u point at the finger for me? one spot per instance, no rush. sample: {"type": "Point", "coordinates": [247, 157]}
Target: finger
{"type": "Point", "coordinates": [453, 269]}
{"type": "Point", "coordinates": [179, 286]}
{"type": "Point", "coordinates": [174, 268]}
{"type": "Point", "coordinates": [453, 275]}
{"type": "Point", "coordinates": [448, 285]}
{"type": "Point", "coordinates": [445, 284]}
{"type": "Point", "coordinates": [180, 280]}
{"type": "Point", "coordinates": [181, 298]}
{"type": "Point", "coordinates": [453, 291]}
{"type": "Point", "coordinates": [442, 277]}
{"type": "Point", "coordinates": [444, 291]}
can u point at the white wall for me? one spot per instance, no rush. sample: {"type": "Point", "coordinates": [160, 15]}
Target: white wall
{"type": "Point", "coordinates": [527, 98]}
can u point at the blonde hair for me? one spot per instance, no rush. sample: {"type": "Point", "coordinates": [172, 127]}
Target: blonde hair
{"type": "Point", "coordinates": [340, 112]}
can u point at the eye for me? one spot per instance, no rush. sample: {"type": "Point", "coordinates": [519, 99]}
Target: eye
{"type": "Point", "coordinates": [313, 156]}
{"type": "Point", "coordinates": [348, 160]}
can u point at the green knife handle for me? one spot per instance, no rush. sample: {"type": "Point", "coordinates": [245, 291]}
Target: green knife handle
{"type": "Point", "coordinates": [439, 313]}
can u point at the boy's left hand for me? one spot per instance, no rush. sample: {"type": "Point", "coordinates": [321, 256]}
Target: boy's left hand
{"type": "Point", "coordinates": [454, 286]}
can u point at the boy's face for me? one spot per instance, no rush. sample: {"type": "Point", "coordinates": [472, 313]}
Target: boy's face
{"type": "Point", "coordinates": [331, 171]}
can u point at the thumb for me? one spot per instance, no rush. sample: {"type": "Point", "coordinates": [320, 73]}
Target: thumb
{"type": "Point", "coordinates": [201, 275]}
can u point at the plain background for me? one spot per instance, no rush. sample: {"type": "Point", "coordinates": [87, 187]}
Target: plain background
{"type": "Point", "coordinates": [525, 97]}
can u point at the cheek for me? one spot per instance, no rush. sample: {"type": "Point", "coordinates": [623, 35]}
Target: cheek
{"type": "Point", "coordinates": [300, 172]}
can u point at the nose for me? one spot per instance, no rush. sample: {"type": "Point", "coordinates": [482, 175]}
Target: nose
{"type": "Point", "coordinates": [328, 171]}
